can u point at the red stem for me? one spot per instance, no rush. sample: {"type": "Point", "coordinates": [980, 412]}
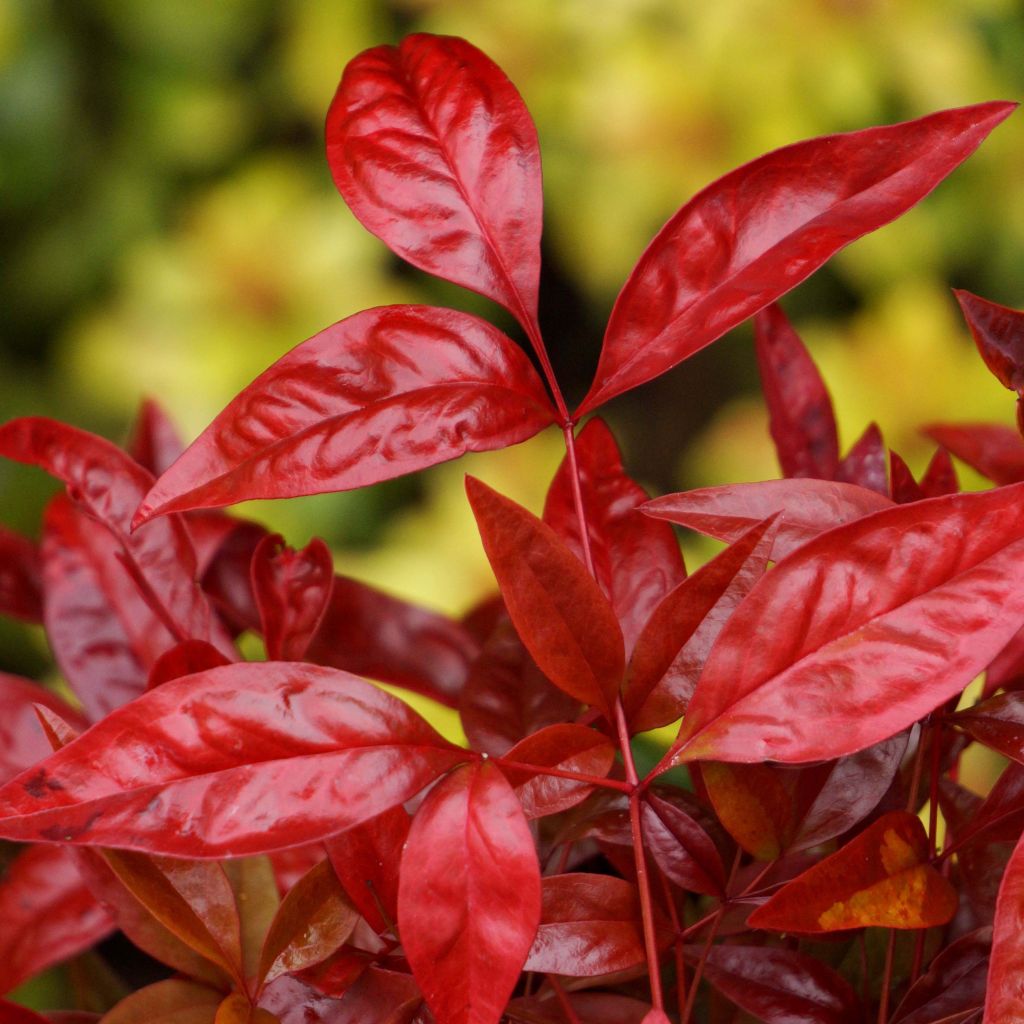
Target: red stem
{"type": "Point", "coordinates": [563, 1000]}
{"type": "Point", "coordinates": [677, 945]}
{"type": "Point", "coordinates": [883, 1003]}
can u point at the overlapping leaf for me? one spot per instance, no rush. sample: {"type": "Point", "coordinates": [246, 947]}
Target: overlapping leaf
{"type": "Point", "coordinates": [998, 331]}
{"type": "Point", "coordinates": [20, 582]}
{"type": "Point", "coordinates": [995, 451]}
{"type": "Point", "coordinates": [1006, 968]}
{"type": "Point", "coordinates": [953, 984]}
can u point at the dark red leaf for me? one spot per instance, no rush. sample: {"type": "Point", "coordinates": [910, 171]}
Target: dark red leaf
{"type": "Point", "coordinates": [20, 580]}
{"type": "Point", "coordinates": [155, 442]}
{"type": "Point", "coordinates": [940, 476]}
{"type": "Point", "coordinates": [865, 464]}
{"type": "Point", "coordinates": [241, 759]}
{"type": "Point", "coordinates": [754, 234]}
{"type": "Point", "coordinates": [636, 561]}
{"type": "Point", "coordinates": [1005, 986]}
{"type": "Point", "coordinates": [292, 1001]}
{"type": "Point", "coordinates": [184, 659]}
{"type": "Point", "coordinates": [800, 413]}
{"type": "Point", "coordinates": [862, 631]}
{"type": "Point", "coordinates": [435, 152]}
{"type": "Point", "coordinates": [998, 331]}
{"type": "Point", "coordinates": [589, 1007]}
{"type": "Point", "coordinates": [782, 986]}
{"type": "Point", "coordinates": [381, 394]}
{"type": "Point", "coordinates": [881, 878]}
{"type": "Point", "coordinates": [469, 895]}
{"type": "Point", "coordinates": [808, 507]}
{"type": "Point", "coordinates": [559, 611]}
{"type": "Point", "coordinates": [997, 722]}
{"type": "Point", "coordinates": [14, 1013]}
{"type": "Point", "coordinates": [224, 549]}
{"type": "Point", "coordinates": [681, 847]}
{"type": "Point", "coordinates": [954, 982]}
{"type": "Point", "coordinates": [292, 590]}
{"type": "Point", "coordinates": [384, 997]}
{"type": "Point", "coordinates": [994, 451]}
{"type": "Point", "coordinates": [675, 643]}
{"type": "Point", "coordinates": [48, 914]}
{"type": "Point", "coordinates": [903, 486]}
{"type": "Point", "coordinates": [1002, 811]}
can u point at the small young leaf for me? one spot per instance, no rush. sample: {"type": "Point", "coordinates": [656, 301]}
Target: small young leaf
{"type": "Point", "coordinates": [940, 476]}
{"type": "Point", "coordinates": [998, 331]}
{"type": "Point", "coordinates": [903, 486]}
{"type": "Point", "coordinates": [996, 452]}
{"type": "Point", "coordinates": [865, 464]}
{"type": "Point", "coordinates": [155, 442]}
{"type": "Point", "coordinates": [681, 847]}
{"type": "Point", "coordinates": [997, 722]}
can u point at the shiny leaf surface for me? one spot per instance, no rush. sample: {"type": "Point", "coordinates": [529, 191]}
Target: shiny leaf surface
{"type": "Point", "coordinates": [866, 463]}
{"type": "Point", "coordinates": [997, 722]}
{"type": "Point", "coordinates": [1006, 966]}
{"type": "Point", "coordinates": [998, 331]}
{"type": "Point", "coordinates": [681, 847]}
{"type": "Point", "coordinates": [954, 982]}
{"type": "Point", "coordinates": [995, 451]}
{"type": "Point", "coordinates": [155, 442]}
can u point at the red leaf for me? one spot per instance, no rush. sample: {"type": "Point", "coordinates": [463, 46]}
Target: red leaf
{"type": "Point", "coordinates": [590, 925]}
{"type": "Point", "coordinates": [800, 413]}
{"type": "Point", "coordinates": [636, 561]}
{"type": "Point", "coordinates": [754, 234]}
{"type": "Point", "coordinates": [184, 659]}
{"type": "Point", "coordinates": [997, 722]}
{"type": "Point", "coordinates": [1006, 967]}
{"type": "Point", "coordinates": [241, 759]}
{"type": "Point", "coordinates": [292, 590]}
{"type": "Point", "coordinates": [954, 982]}
{"type": "Point", "coordinates": [808, 507]}
{"type": "Point", "coordinates": [589, 1007]}
{"type": "Point", "coordinates": [174, 1001]}
{"type": "Point", "coordinates": [563, 618]}
{"type": "Point", "coordinates": [995, 452]}
{"type": "Point", "coordinates": [865, 463]}
{"type": "Point", "coordinates": [48, 914]}
{"type": "Point", "coordinates": [881, 878]}
{"type": "Point", "coordinates": [682, 849]}
{"type": "Point", "coordinates": [903, 486]}
{"type": "Point", "coordinates": [782, 986]}
{"type": "Point", "coordinates": [155, 442]}
{"type": "Point", "coordinates": [384, 997]}
{"type": "Point", "coordinates": [469, 895]}
{"type": "Point", "coordinates": [435, 153]}
{"type": "Point", "coordinates": [862, 631]}
{"type": "Point", "coordinates": [381, 394]}
{"type": "Point", "coordinates": [675, 644]}
{"type": "Point", "coordinates": [14, 1013]}
{"type": "Point", "coordinates": [940, 476]}
{"type": "Point", "coordinates": [20, 583]}
{"type": "Point", "coordinates": [754, 803]}
{"type": "Point", "coordinates": [998, 331]}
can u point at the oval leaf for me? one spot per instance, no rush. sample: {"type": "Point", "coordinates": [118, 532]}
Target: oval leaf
{"type": "Point", "coordinates": [682, 849]}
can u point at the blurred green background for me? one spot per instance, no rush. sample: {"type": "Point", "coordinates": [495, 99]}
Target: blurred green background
{"type": "Point", "coordinates": [169, 226]}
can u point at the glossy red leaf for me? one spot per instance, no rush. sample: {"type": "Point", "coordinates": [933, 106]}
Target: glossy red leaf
{"type": "Point", "coordinates": [909, 604]}
{"type": "Point", "coordinates": [436, 154]}
{"type": "Point", "coordinates": [469, 895]}
{"type": "Point", "coordinates": [20, 577]}
{"type": "Point", "coordinates": [48, 914]}
{"type": "Point", "coordinates": [369, 633]}
{"type": "Point", "coordinates": [155, 442]}
{"type": "Point", "coordinates": [681, 847]}
{"type": "Point", "coordinates": [1000, 817]}
{"type": "Point", "coordinates": [800, 415]}
{"type": "Point", "coordinates": [940, 476]}
{"type": "Point", "coordinates": [674, 645]}
{"type": "Point", "coordinates": [184, 659]}
{"type": "Point", "coordinates": [782, 986]}
{"type": "Point", "coordinates": [381, 394]}
{"type": "Point", "coordinates": [589, 1007]}
{"type": "Point", "coordinates": [995, 451]}
{"type": "Point", "coordinates": [754, 234]}
{"type": "Point", "coordinates": [954, 982]}
{"type": "Point", "coordinates": [365, 859]}
{"type": "Point", "coordinates": [903, 486]}
{"type": "Point", "coordinates": [866, 463]}
{"type": "Point", "coordinates": [566, 623]}
{"type": "Point", "coordinates": [997, 722]}
{"type": "Point", "coordinates": [636, 561]}
{"type": "Point", "coordinates": [881, 878]}
{"type": "Point", "coordinates": [567, 747]}
{"type": "Point", "coordinates": [590, 925]}
{"type": "Point", "coordinates": [292, 1001]}
{"type": "Point", "coordinates": [238, 760]}
{"type": "Point", "coordinates": [1005, 988]}
{"type": "Point", "coordinates": [998, 331]}
{"type": "Point", "coordinates": [381, 996]}
{"type": "Point", "coordinates": [807, 507]}
{"type": "Point", "coordinates": [292, 590]}
{"type": "Point", "coordinates": [14, 1013]}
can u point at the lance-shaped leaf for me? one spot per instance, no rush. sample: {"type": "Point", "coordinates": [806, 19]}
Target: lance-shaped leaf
{"type": "Point", "coordinates": [782, 986]}
{"type": "Point", "coordinates": [241, 759]}
{"type": "Point", "coordinates": [383, 393]}
{"type": "Point", "coordinates": [862, 631]}
{"type": "Point", "coordinates": [636, 561]}
{"type": "Point", "coordinates": [754, 234]}
{"type": "Point", "coordinates": [559, 611]}
{"type": "Point", "coordinates": [469, 895]}
{"type": "Point", "coordinates": [800, 413]}
{"type": "Point", "coordinates": [953, 984]}
{"type": "Point", "coordinates": [292, 590]}
{"type": "Point", "coordinates": [48, 914]}
{"type": "Point", "coordinates": [940, 476]}
{"type": "Point", "coordinates": [174, 1001]}
{"type": "Point", "coordinates": [20, 580]}
{"type": "Point", "coordinates": [1006, 967]}
{"type": "Point", "coordinates": [865, 464]}
{"type": "Point", "coordinates": [1001, 815]}
{"type": "Point", "coordinates": [155, 442]}
{"type": "Point", "coordinates": [881, 878]}
{"type": "Point", "coordinates": [996, 452]}
{"type": "Point", "coordinates": [998, 331]}
{"type": "Point", "coordinates": [808, 508]}
{"type": "Point", "coordinates": [435, 152]}
{"type": "Point", "coordinates": [678, 637]}
{"type": "Point", "coordinates": [997, 722]}
{"type": "Point", "coordinates": [681, 847]}
{"type": "Point", "coordinates": [903, 487]}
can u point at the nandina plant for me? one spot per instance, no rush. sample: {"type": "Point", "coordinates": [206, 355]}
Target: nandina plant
{"type": "Point", "coordinates": [294, 843]}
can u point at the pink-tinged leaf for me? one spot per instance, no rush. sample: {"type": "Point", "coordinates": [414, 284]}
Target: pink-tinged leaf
{"type": "Point", "coordinates": [291, 864]}
{"type": "Point", "coordinates": [292, 590]}
{"type": "Point", "coordinates": [681, 847]}
{"type": "Point", "coordinates": [881, 878]}
{"type": "Point", "coordinates": [800, 413]}
{"type": "Point", "coordinates": [751, 236]}
{"type": "Point", "coordinates": [20, 578]}
{"type": "Point", "coordinates": [1005, 989]}
{"type": "Point", "coordinates": [998, 331]}
{"type": "Point", "coordinates": [675, 643]}
{"type": "Point", "coordinates": [381, 394]}
{"type": "Point", "coordinates": [865, 464]}
{"type": "Point", "coordinates": [366, 858]}
{"type": "Point", "coordinates": [155, 442]}
{"type": "Point", "coordinates": [184, 659]}
{"type": "Point", "coordinates": [22, 742]}
{"type": "Point", "coordinates": [782, 986]}
{"type": "Point", "coordinates": [238, 760]}
{"type": "Point", "coordinates": [564, 620]}
{"type": "Point", "coordinates": [174, 1001]}
{"type": "Point", "coordinates": [48, 914]}
{"type": "Point", "coordinates": [507, 697]}
{"type": "Point", "coordinates": [636, 561]}
{"type": "Point", "coordinates": [954, 982]}
{"type": "Point", "coordinates": [940, 476]}
{"type": "Point", "coordinates": [435, 152]}
{"type": "Point", "coordinates": [902, 484]}
{"type": "Point", "coordinates": [590, 925]}
{"type": "Point", "coordinates": [385, 997]}
{"type": "Point", "coordinates": [291, 1001]}
{"type": "Point", "coordinates": [108, 484]}
{"type": "Point", "coordinates": [863, 631]}
{"type": "Point", "coordinates": [369, 633]}
{"type": "Point", "coordinates": [996, 452]}
{"type": "Point", "coordinates": [998, 723]}
{"type": "Point", "coordinates": [655, 1017]}
{"type": "Point", "coordinates": [469, 896]}
{"type": "Point", "coordinates": [568, 747]}
{"type": "Point", "coordinates": [808, 508]}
